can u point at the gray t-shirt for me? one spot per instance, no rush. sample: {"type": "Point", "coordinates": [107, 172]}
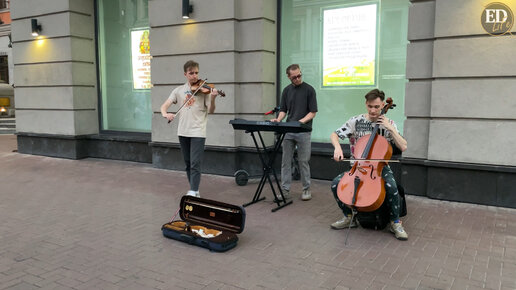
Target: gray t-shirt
{"type": "Point", "coordinates": [193, 117]}
{"type": "Point", "coordinates": [297, 101]}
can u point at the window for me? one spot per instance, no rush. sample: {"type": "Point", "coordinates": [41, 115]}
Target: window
{"type": "Point", "coordinates": [303, 42]}
{"type": "Point", "coordinates": [124, 65]}
{"type": "Point", "coordinates": [4, 69]}
{"type": "Point", "coordinates": [4, 4]}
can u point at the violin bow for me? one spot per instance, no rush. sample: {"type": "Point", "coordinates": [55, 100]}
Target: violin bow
{"type": "Point", "coordinates": [375, 160]}
{"type": "Point", "coordinates": [191, 96]}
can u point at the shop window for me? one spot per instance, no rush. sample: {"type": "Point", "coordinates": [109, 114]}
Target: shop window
{"type": "Point", "coordinates": [345, 49]}
{"type": "Point", "coordinates": [124, 65]}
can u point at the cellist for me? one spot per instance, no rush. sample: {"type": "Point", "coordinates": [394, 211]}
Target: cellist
{"type": "Point", "coordinates": [359, 126]}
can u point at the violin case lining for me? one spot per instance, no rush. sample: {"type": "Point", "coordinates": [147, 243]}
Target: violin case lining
{"type": "Point", "coordinates": [222, 220]}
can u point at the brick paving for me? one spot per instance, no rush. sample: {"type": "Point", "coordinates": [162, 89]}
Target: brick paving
{"type": "Point", "coordinates": [95, 224]}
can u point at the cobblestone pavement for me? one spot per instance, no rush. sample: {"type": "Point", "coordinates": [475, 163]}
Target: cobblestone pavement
{"type": "Point", "coordinates": [95, 224]}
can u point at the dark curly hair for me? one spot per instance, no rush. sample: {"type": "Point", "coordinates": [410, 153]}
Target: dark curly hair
{"type": "Point", "coordinates": [376, 93]}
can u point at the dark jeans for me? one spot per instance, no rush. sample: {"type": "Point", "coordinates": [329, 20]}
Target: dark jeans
{"type": "Point", "coordinates": [192, 149]}
{"type": "Point", "coordinates": [302, 140]}
{"type": "Point", "coordinates": [391, 194]}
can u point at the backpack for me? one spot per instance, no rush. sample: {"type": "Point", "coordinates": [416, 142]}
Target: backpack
{"type": "Point", "coordinates": [379, 218]}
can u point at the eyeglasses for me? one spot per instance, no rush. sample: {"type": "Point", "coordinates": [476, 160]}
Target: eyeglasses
{"type": "Point", "coordinates": [296, 77]}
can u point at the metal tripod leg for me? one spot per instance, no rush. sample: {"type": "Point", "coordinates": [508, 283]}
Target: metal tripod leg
{"type": "Point", "coordinates": [268, 168]}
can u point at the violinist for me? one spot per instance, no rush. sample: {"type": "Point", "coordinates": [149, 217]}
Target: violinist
{"type": "Point", "coordinates": [192, 118]}
{"type": "Point", "coordinates": [359, 126]}
{"type": "Point", "coordinates": [299, 102]}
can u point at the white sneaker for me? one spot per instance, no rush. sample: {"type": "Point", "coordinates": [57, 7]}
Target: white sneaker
{"type": "Point", "coordinates": [398, 231]}
{"type": "Point", "coordinates": [193, 193]}
{"type": "Point", "coordinates": [344, 223]}
{"type": "Point", "coordinates": [306, 195]}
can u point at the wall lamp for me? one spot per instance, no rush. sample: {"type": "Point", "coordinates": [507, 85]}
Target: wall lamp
{"type": "Point", "coordinates": [187, 9]}
{"type": "Point", "coordinates": [36, 28]}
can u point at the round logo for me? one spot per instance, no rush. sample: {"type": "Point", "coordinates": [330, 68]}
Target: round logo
{"type": "Point", "coordinates": [497, 18]}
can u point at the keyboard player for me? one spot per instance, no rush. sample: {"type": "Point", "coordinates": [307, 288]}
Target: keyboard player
{"type": "Point", "coordinates": [298, 103]}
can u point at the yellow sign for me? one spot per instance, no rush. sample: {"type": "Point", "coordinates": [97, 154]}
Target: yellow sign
{"type": "Point", "coordinates": [5, 102]}
{"type": "Point", "coordinates": [141, 57]}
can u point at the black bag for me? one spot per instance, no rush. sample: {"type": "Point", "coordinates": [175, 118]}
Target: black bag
{"type": "Point", "coordinates": [403, 203]}
{"type": "Point", "coordinates": [207, 223]}
{"type": "Point", "coordinates": [379, 218]}
{"type": "Point", "coordinates": [376, 220]}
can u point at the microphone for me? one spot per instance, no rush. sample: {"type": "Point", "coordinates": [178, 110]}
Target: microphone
{"type": "Point", "coordinates": [276, 109]}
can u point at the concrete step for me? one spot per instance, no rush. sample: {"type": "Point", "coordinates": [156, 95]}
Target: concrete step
{"type": "Point", "coordinates": [7, 125]}
{"type": "Point", "coordinates": [4, 131]}
{"type": "Point", "coordinates": [7, 121]}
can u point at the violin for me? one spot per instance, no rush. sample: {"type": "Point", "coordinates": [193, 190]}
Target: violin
{"type": "Point", "coordinates": [363, 188]}
{"type": "Point", "coordinates": [205, 88]}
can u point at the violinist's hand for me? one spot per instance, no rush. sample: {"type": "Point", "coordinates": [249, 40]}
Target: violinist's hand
{"type": "Point", "coordinates": [170, 117]}
{"type": "Point", "coordinates": [337, 154]}
{"type": "Point", "coordinates": [386, 122]}
{"type": "Point", "coordinates": [214, 92]}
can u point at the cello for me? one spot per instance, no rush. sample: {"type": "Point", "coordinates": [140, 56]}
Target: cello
{"type": "Point", "coordinates": [363, 188]}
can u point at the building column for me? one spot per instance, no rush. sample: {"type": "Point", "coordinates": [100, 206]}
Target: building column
{"type": "Point", "coordinates": [458, 106]}
{"type": "Point", "coordinates": [55, 76]}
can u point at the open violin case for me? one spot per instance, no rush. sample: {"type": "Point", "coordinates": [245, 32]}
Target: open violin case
{"type": "Point", "coordinates": [207, 223]}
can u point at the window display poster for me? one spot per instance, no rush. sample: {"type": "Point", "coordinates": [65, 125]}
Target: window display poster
{"type": "Point", "coordinates": [140, 54]}
{"type": "Point", "coordinates": [349, 46]}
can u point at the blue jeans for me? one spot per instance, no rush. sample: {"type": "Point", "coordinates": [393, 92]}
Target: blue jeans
{"type": "Point", "coordinates": [193, 149]}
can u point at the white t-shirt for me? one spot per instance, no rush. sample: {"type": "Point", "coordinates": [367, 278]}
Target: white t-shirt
{"type": "Point", "coordinates": [194, 115]}
{"type": "Point", "coordinates": [359, 126]}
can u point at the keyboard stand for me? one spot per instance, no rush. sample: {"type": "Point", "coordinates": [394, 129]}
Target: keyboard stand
{"type": "Point", "coordinates": [268, 168]}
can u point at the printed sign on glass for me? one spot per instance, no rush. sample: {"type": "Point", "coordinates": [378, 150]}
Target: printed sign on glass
{"type": "Point", "coordinates": [349, 46]}
{"type": "Point", "coordinates": [140, 53]}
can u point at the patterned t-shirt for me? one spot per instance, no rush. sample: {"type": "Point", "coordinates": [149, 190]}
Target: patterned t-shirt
{"type": "Point", "coordinates": [359, 126]}
{"type": "Point", "coordinates": [193, 117]}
